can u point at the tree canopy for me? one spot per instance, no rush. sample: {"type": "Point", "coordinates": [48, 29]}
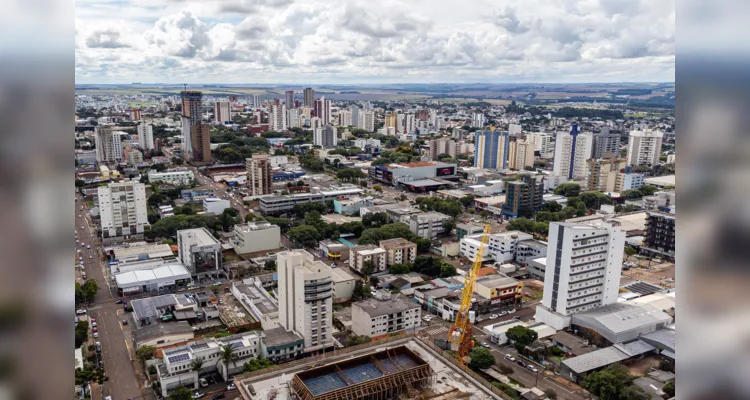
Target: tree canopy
{"type": "Point", "coordinates": [522, 336]}
{"type": "Point", "coordinates": [568, 189]}
{"type": "Point", "coordinates": [481, 358]}
{"type": "Point", "coordinates": [611, 383]}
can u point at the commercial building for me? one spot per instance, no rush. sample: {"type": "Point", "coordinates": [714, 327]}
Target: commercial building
{"type": "Point", "coordinates": [362, 257]}
{"type": "Point", "coordinates": [442, 146]}
{"type": "Point", "coordinates": [200, 252]}
{"type": "Point", "coordinates": [408, 173]}
{"type": "Point", "coordinates": [305, 298]}
{"type": "Point", "coordinates": [492, 149]}
{"type": "Point", "coordinates": [215, 205]}
{"type": "Point", "coordinates": [602, 173]}
{"type": "Point", "coordinates": [325, 137]}
{"type": "Point", "coordinates": [663, 201]}
{"type": "Point", "coordinates": [279, 345]}
{"type": "Point", "coordinates": [283, 204]}
{"type": "Point", "coordinates": [661, 181]}
{"type": "Point", "coordinates": [252, 237]}
{"type": "Point", "coordinates": [367, 121]}
{"type": "Point", "coordinates": [259, 174]}
{"type": "Point", "coordinates": [222, 112]}
{"type": "Point", "coordinates": [501, 246]}
{"type": "Point", "coordinates": [522, 156]}
{"type": "Point", "coordinates": [428, 225]}
{"type": "Point", "coordinates": [524, 196]}
{"type": "Point", "coordinates": [277, 118]}
{"type": "Point", "coordinates": [163, 335]}
{"type": "Point", "coordinates": [162, 278]}
{"type": "Point", "coordinates": [177, 176]}
{"type": "Point", "coordinates": [135, 157]}
{"type": "Point", "coordinates": [399, 251]}
{"type": "Point", "coordinates": [255, 299]}
{"type": "Point", "coordinates": [308, 97]}
{"type": "Point", "coordinates": [108, 145]}
{"type": "Point", "coordinates": [500, 290]}
{"type": "Point", "coordinates": [289, 99]}
{"type": "Point", "coordinates": [628, 181]}
{"type": "Point", "coordinates": [659, 239]}
{"type": "Point", "coordinates": [374, 318]}
{"type": "Point", "coordinates": [621, 322]}
{"type": "Point", "coordinates": [605, 142]}
{"type": "Point", "coordinates": [146, 136]}
{"type": "Point", "coordinates": [582, 270]}
{"type": "Point", "coordinates": [122, 209]}
{"type": "Point", "coordinates": [571, 152]}
{"type": "Point", "coordinates": [644, 147]}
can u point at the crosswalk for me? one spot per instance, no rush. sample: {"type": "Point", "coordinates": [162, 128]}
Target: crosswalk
{"type": "Point", "coordinates": [440, 330]}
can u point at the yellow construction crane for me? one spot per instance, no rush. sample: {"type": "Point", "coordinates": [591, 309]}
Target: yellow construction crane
{"type": "Point", "coordinates": [460, 333]}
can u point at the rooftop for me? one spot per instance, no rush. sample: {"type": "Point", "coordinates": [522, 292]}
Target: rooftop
{"type": "Point", "coordinates": [621, 317]}
{"type": "Point", "coordinates": [341, 275]}
{"type": "Point", "coordinates": [574, 343]}
{"type": "Point", "coordinates": [595, 360]}
{"type": "Point", "coordinates": [170, 271]}
{"type": "Point", "coordinates": [395, 242]}
{"type": "Point", "coordinates": [376, 308]}
{"type": "Point", "coordinates": [254, 226]}
{"type": "Point", "coordinates": [497, 282]}
{"type": "Point", "coordinates": [141, 250]}
{"type": "Point", "coordinates": [154, 331]}
{"type": "Point", "coordinates": [666, 180]}
{"type": "Point", "coordinates": [202, 235]}
{"type": "Point", "coordinates": [279, 337]}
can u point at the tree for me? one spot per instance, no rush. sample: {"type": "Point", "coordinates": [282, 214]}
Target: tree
{"type": "Point", "coordinates": [443, 156]}
{"type": "Point", "coordinates": [427, 265]}
{"type": "Point", "coordinates": [375, 220]}
{"type": "Point", "coordinates": [633, 392]}
{"type": "Point", "coordinates": [145, 352]}
{"type": "Point", "coordinates": [355, 340]}
{"type": "Point", "coordinates": [397, 269]}
{"type": "Point", "coordinates": [481, 358]}
{"type": "Point", "coordinates": [227, 355]}
{"type": "Point", "coordinates": [81, 333]}
{"type": "Point", "coordinates": [304, 234]}
{"type": "Point", "coordinates": [609, 383]}
{"type": "Point", "coordinates": [196, 364]}
{"type": "Point", "coordinates": [568, 189]}
{"type": "Point", "coordinates": [377, 188]}
{"type": "Point", "coordinates": [80, 296]}
{"type": "Point", "coordinates": [177, 161]}
{"type": "Point", "coordinates": [361, 291]}
{"type": "Point", "coordinates": [80, 182]}
{"type": "Point", "coordinates": [447, 270]}
{"type": "Point", "coordinates": [270, 265]}
{"type": "Point", "coordinates": [449, 226]}
{"type": "Point", "coordinates": [467, 200]}
{"type": "Point", "coordinates": [554, 206]}
{"type": "Point", "coordinates": [629, 252]}
{"type": "Point", "coordinates": [669, 389]}
{"type": "Point", "coordinates": [256, 365]}
{"type": "Point", "coordinates": [484, 214]}
{"type": "Point", "coordinates": [181, 393]}
{"type": "Point", "coordinates": [550, 393]}
{"type": "Point", "coordinates": [522, 336]}
{"type": "Point", "coordinates": [90, 288]}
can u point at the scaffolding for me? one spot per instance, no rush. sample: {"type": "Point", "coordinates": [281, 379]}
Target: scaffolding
{"type": "Point", "coordinates": [384, 375]}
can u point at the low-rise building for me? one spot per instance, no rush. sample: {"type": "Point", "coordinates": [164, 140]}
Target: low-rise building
{"type": "Point", "coordinates": [166, 277]}
{"type": "Point", "coordinates": [182, 176]}
{"type": "Point", "coordinates": [500, 290]}
{"type": "Point", "coordinates": [334, 250]}
{"type": "Point", "coordinates": [343, 285]}
{"type": "Point", "coordinates": [527, 250]}
{"type": "Point", "coordinates": [163, 335]}
{"type": "Point", "coordinates": [428, 225]}
{"type": "Point", "coordinates": [399, 251]}
{"type": "Point", "coordinates": [274, 205]}
{"type": "Point", "coordinates": [279, 345]}
{"type": "Point", "coordinates": [215, 205]}
{"type": "Point", "coordinates": [255, 299]}
{"type": "Point", "coordinates": [200, 252]}
{"type": "Point", "coordinates": [252, 237]}
{"type": "Point", "coordinates": [361, 257]}
{"type": "Point", "coordinates": [501, 247]}
{"type": "Point", "coordinates": [375, 318]}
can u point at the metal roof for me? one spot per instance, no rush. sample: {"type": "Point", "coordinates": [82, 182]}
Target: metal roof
{"type": "Point", "coordinates": [621, 317]}
{"type": "Point", "coordinates": [635, 348]}
{"type": "Point", "coordinates": [663, 338]}
{"type": "Point", "coordinates": [595, 359]}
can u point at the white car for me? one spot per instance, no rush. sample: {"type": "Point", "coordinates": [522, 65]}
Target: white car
{"type": "Point", "coordinates": [493, 316]}
{"type": "Point", "coordinates": [80, 312]}
{"type": "Point", "coordinates": [510, 357]}
{"type": "Point", "coordinates": [503, 313]}
{"type": "Point", "coordinates": [96, 334]}
{"type": "Point", "coordinates": [93, 324]}
{"type": "Point", "coordinates": [427, 318]}
{"type": "Point", "coordinates": [203, 382]}
{"type": "Point", "coordinates": [231, 386]}
{"type": "Point", "coordinates": [511, 311]}
{"type": "Point", "coordinates": [198, 395]}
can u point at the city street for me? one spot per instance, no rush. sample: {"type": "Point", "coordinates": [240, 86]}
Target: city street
{"type": "Point", "coordinates": [122, 383]}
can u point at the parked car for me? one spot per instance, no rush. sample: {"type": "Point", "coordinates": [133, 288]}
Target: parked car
{"type": "Point", "coordinates": [124, 322]}
{"type": "Point", "coordinates": [80, 312]}
{"type": "Point", "coordinates": [503, 313]}
{"type": "Point", "coordinates": [94, 329]}
{"type": "Point", "coordinates": [532, 368]}
{"type": "Point", "coordinates": [510, 357]}
{"type": "Point", "coordinates": [119, 301]}
{"type": "Point", "coordinates": [485, 345]}
{"type": "Point", "coordinates": [96, 334]}
{"type": "Point", "coordinates": [493, 316]}
{"type": "Point", "coordinates": [203, 382]}
{"type": "Point", "coordinates": [198, 395]}
{"type": "Point", "coordinates": [427, 318]}
{"type": "Point", "coordinates": [231, 386]}
{"type": "Point", "coordinates": [511, 311]}
{"type": "Point", "coordinates": [521, 363]}
{"type": "Point", "coordinates": [88, 246]}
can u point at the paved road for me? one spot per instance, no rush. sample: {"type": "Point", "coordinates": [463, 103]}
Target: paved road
{"type": "Point", "coordinates": [122, 383]}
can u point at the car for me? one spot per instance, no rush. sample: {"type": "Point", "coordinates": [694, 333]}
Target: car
{"type": "Point", "coordinates": [79, 215]}
{"type": "Point", "coordinates": [124, 322]}
{"type": "Point", "coordinates": [218, 396]}
{"type": "Point", "coordinates": [231, 386]}
{"type": "Point", "coordinates": [119, 301]}
{"type": "Point", "coordinates": [503, 313]}
{"type": "Point", "coordinates": [94, 329]}
{"type": "Point", "coordinates": [511, 311]}
{"type": "Point", "coordinates": [88, 246]}
{"type": "Point", "coordinates": [93, 324]}
{"type": "Point", "coordinates": [198, 395]}
{"type": "Point", "coordinates": [82, 227]}
{"type": "Point", "coordinates": [80, 312]}
{"type": "Point", "coordinates": [93, 319]}
{"type": "Point", "coordinates": [485, 345]}
{"type": "Point", "coordinates": [98, 347]}
{"type": "Point", "coordinates": [203, 382]}
{"type": "Point", "coordinates": [532, 368]}
{"type": "Point", "coordinates": [427, 318]}
{"type": "Point", "coordinates": [91, 257]}
{"type": "Point", "coordinates": [510, 357]}
{"type": "Point", "coordinates": [101, 363]}
{"type": "Point", "coordinates": [521, 363]}
{"type": "Point", "coordinates": [107, 397]}
{"type": "Point", "coordinates": [96, 334]}
{"type": "Point", "coordinates": [493, 316]}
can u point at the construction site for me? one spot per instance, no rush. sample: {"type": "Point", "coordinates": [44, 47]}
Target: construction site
{"type": "Point", "coordinates": [405, 368]}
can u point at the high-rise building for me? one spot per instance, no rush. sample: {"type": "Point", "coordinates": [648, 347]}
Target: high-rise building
{"type": "Point", "coordinates": [256, 101]}
{"type": "Point", "coordinates": [259, 174]}
{"type": "Point", "coordinates": [571, 152]}
{"type": "Point", "coordinates": [523, 197]}
{"type": "Point", "coordinates": [277, 118]}
{"type": "Point", "coordinates": [644, 147]}
{"type": "Point", "coordinates": [442, 146]}
{"type": "Point", "coordinates": [514, 129]}
{"type": "Point", "coordinates": [367, 120]}
{"type": "Point", "coordinates": [477, 120]}
{"type": "Point", "coordinates": [222, 112]}
{"type": "Point", "coordinates": [492, 149]}
{"type": "Point", "coordinates": [289, 100]}
{"type": "Point", "coordinates": [524, 155]}
{"type": "Point", "coordinates": [108, 145]}
{"type": "Point", "coordinates": [602, 173]}
{"type": "Point", "coordinates": [659, 239]}
{"type": "Point", "coordinates": [542, 142]}
{"type": "Point", "coordinates": [345, 118]}
{"type": "Point", "coordinates": [305, 298]}
{"type": "Point", "coordinates": [201, 142]}
{"type": "Point", "coordinates": [322, 110]}
{"type": "Point", "coordinates": [325, 137]}
{"type": "Point", "coordinates": [292, 118]}
{"type": "Point", "coordinates": [308, 97]}
{"type": "Point", "coordinates": [191, 115]}
{"type": "Point", "coordinates": [122, 209]}
{"type": "Point", "coordinates": [605, 142]}
{"type": "Point", "coordinates": [355, 115]}
{"type": "Point", "coordinates": [315, 123]}
{"type": "Point", "coordinates": [391, 120]}
{"type": "Point", "coordinates": [582, 270]}
{"type": "Point", "coordinates": [146, 136]}
{"type": "Point", "coordinates": [134, 114]}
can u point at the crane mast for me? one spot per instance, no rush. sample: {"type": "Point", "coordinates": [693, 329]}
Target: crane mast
{"type": "Point", "coordinates": [460, 333]}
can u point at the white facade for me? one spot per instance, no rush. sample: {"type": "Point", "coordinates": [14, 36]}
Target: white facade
{"type": "Point", "coordinates": [108, 145]}
{"type": "Point", "coordinates": [542, 142]}
{"type": "Point", "coordinates": [477, 120]}
{"type": "Point", "coordinates": [514, 129]}
{"type": "Point", "coordinates": [428, 225]}
{"type": "Point", "coordinates": [501, 247]}
{"type": "Point", "coordinates": [305, 298]}
{"type": "Point", "coordinates": [565, 153]}
{"type": "Point", "coordinates": [629, 181]}
{"type": "Point", "coordinates": [582, 269]}
{"type": "Point", "coordinates": [253, 237]}
{"type": "Point", "coordinates": [222, 112]}
{"type": "Point", "coordinates": [277, 118]}
{"type": "Point", "coordinates": [325, 137]}
{"type": "Point", "coordinates": [199, 251]}
{"type": "Point", "coordinates": [292, 118]}
{"type": "Point", "coordinates": [524, 155]}
{"type": "Point", "coordinates": [644, 147]}
{"type": "Point", "coordinates": [345, 118]}
{"type": "Point", "coordinates": [215, 205]}
{"type": "Point", "coordinates": [367, 121]}
{"type": "Point", "coordinates": [122, 208]}
{"type": "Point", "coordinates": [146, 136]}
{"type": "Point", "coordinates": [360, 256]}
{"type": "Point", "coordinates": [135, 157]}
{"type": "Point", "coordinates": [375, 318]}
{"type": "Point", "coordinates": [172, 177]}
{"type": "Point", "coordinates": [187, 139]}
{"type": "Point", "coordinates": [354, 121]}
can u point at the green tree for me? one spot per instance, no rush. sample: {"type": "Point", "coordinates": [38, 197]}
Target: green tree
{"type": "Point", "coordinates": [449, 226]}
{"type": "Point", "coordinates": [355, 340]}
{"type": "Point", "coordinates": [80, 296]}
{"type": "Point", "coordinates": [568, 189]}
{"type": "Point", "coordinates": [177, 161]}
{"type": "Point", "coordinates": [81, 333]}
{"type": "Point", "coordinates": [447, 270]}
{"type": "Point", "coordinates": [669, 389]}
{"type": "Point", "coordinates": [522, 336]}
{"type": "Point", "coordinates": [196, 364]}
{"type": "Point", "coordinates": [397, 269]}
{"type": "Point", "coordinates": [481, 358]}
{"type": "Point", "coordinates": [648, 190]}
{"type": "Point", "coordinates": [90, 289]}
{"type": "Point", "coordinates": [554, 206]}
{"type": "Point", "coordinates": [361, 291]}
{"type": "Point", "coordinates": [377, 188]}
{"type": "Point", "coordinates": [304, 234]}
{"type": "Point", "coordinates": [467, 200]}
{"type": "Point", "coordinates": [550, 393]}
{"type": "Point", "coordinates": [227, 355]}
{"type": "Point", "coordinates": [145, 352]}
{"type": "Point", "coordinates": [270, 265]}
{"type": "Point", "coordinates": [609, 383]}
{"type": "Point", "coordinates": [629, 252]}
{"type": "Point", "coordinates": [428, 265]}
{"type": "Point", "coordinates": [181, 393]}
{"type": "Point", "coordinates": [375, 220]}
{"type": "Point", "coordinates": [256, 365]}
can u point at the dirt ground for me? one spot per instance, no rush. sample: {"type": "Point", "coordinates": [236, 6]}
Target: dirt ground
{"type": "Point", "coordinates": [643, 366]}
{"type": "Point", "coordinates": [659, 274]}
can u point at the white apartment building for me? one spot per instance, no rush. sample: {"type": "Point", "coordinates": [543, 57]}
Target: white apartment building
{"type": "Point", "coordinates": [524, 156]}
{"type": "Point", "coordinates": [292, 118]}
{"type": "Point", "coordinates": [325, 137]}
{"type": "Point", "coordinates": [135, 157]}
{"type": "Point", "coordinates": [367, 121]}
{"type": "Point", "coordinates": [256, 100]}
{"type": "Point", "coordinates": [644, 147]}
{"type": "Point", "coordinates": [514, 129]}
{"type": "Point", "coordinates": [277, 118]}
{"type": "Point", "coordinates": [122, 209]}
{"type": "Point", "coordinates": [399, 251]}
{"type": "Point", "coordinates": [361, 256]}
{"type": "Point", "coordinates": [200, 252]}
{"type": "Point", "coordinates": [542, 142]}
{"type": "Point", "coordinates": [442, 146]}
{"type": "Point", "coordinates": [146, 136]}
{"type": "Point", "coordinates": [582, 272]}
{"type": "Point", "coordinates": [345, 118]}
{"type": "Point", "coordinates": [375, 318]}
{"type": "Point", "coordinates": [501, 246]}
{"type": "Point", "coordinates": [602, 173]}
{"type": "Point", "coordinates": [215, 205]}
{"type": "Point", "coordinates": [354, 113]}
{"type": "Point", "coordinates": [108, 145]}
{"type": "Point", "coordinates": [571, 153]}
{"type": "Point", "coordinates": [175, 177]}
{"type": "Point", "coordinates": [315, 123]}
{"type": "Point", "coordinates": [306, 298]}
{"type": "Point", "coordinates": [222, 112]}
{"type": "Point", "coordinates": [629, 181]}
{"type": "Point", "coordinates": [428, 225]}
{"type": "Point", "coordinates": [477, 120]}
{"type": "Point", "coordinates": [253, 237]}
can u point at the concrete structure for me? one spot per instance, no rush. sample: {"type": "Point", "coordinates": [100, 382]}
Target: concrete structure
{"type": "Point", "coordinates": [289, 99]}
{"type": "Point", "coordinates": [605, 142]}
{"type": "Point", "coordinates": [166, 277]}
{"type": "Point", "coordinates": [177, 177]}
{"type": "Point", "coordinates": [477, 120]}
{"type": "Point", "coordinates": [644, 147]}
{"type": "Point", "coordinates": [523, 196]}
{"type": "Point", "coordinates": [277, 118]}
{"type": "Point", "coordinates": [191, 116]}
{"type": "Point", "coordinates": [399, 251]}
{"type": "Point", "coordinates": [628, 181]}
{"type": "Point", "coordinates": [367, 121]}
{"type": "Point", "coordinates": [376, 318]}
{"type": "Point", "coordinates": [255, 299]}
{"type": "Point", "coordinates": [122, 209]}
{"type": "Point", "coordinates": [602, 174]}
{"type": "Point", "coordinates": [621, 322]}
{"type": "Point", "coordinates": [252, 237]}
{"type": "Point", "coordinates": [403, 174]}
{"type": "Point", "coordinates": [325, 137]}
{"type": "Point", "coordinates": [200, 141]}
{"type": "Point", "coordinates": [293, 118]}
{"type": "Point", "coordinates": [428, 225]}
{"type": "Point", "coordinates": [163, 335]}
{"type": "Point", "coordinates": [343, 285]}
{"type": "Point", "coordinates": [661, 181]}
{"type": "Point", "coordinates": [279, 345]}
{"type": "Point", "coordinates": [369, 255]}
{"type": "Point", "coordinates": [571, 152]}
{"type": "Point", "coordinates": [305, 298]}
{"type": "Point", "coordinates": [442, 146]}
{"type": "Point", "coordinates": [308, 97]}
{"type": "Point", "coordinates": [542, 142]}
{"type": "Point", "coordinates": [659, 239]}
{"type": "Point", "coordinates": [146, 136]}
{"type": "Point", "coordinates": [500, 289]}
{"type": "Point", "coordinates": [524, 156]}
{"type": "Point", "coordinates": [322, 110]}
{"type": "Point", "coordinates": [222, 112]}
{"type": "Point", "coordinates": [200, 252]}
{"type": "Point", "coordinates": [282, 204]}
{"type": "Point", "coordinates": [215, 205]}
{"type": "Point", "coordinates": [135, 157]}
{"type": "Point", "coordinates": [501, 246]}
{"type": "Point", "coordinates": [583, 266]}
{"type": "Point", "coordinates": [492, 149]}
{"type": "Point", "coordinates": [259, 175]}
{"type": "Point", "coordinates": [108, 145]}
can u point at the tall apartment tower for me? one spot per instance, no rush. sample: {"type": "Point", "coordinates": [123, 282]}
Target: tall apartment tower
{"type": "Point", "coordinates": [222, 112]}
{"type": "Point", "coordinates": [584, 262]}
{"type": "Point", "coordinates": [191, 115]}
{"type": "Point", "coordinates": [308, 97]}
{"type": "Point", "coordinates": [322, 110]}
{"type": "Point", "coordinates": [146, 136]}
{"type": "Point", "coordinates": [491, 149]}
{"type": "Point", "coordinates": [325, 136]}
{"type": "Point", "coordinates": [355, 115]}
{"type": "Point", "coordinates": [108, 145]}
{"type": "Point", "coordinates": [367, 121]}
{"type": "Point", "coordinates": [524, 155]}
{"type": "Point", "coordinates": [442, 146]}
{"type": "Point", "coordinates": [391, 120]}
{"type": "Point", "coordinates": [305, 298]}
{"type": "Point", "coordinates": [602, 173]}
{"type": "Point", "coordinates": [122, 208]}
{"type": "Point", "coordinates": [289, 99]}
{"type": "Point", "coordinates": [201, 141]}
{"type": "Point", "coordinates": [571, 152]}
{"type": "Point", "coordinates": [542, 142]}
{"type": "Point", "coordinates": [258, 174]}
{"type": "Point", "coordinates": [605, 142]}
{"type": "Point", "coordinates": [523, 196]}
{"type": "Point", "coordinates": [277, 118]}
{"type": "Point", "coordinates": [477, 120]}
{"type": "Point", "coordinates": [644, 147]}
{"type": "Point", "coordinates": [256, 100]}
{"type": "Point", "coordinates": [292, 118]}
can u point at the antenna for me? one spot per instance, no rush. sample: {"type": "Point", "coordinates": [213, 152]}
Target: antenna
{"type": "Point", "coordinates": [185, 86]}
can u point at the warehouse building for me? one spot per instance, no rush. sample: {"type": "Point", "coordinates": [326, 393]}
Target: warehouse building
{"type": "Point", "coordinates": [166, 277]}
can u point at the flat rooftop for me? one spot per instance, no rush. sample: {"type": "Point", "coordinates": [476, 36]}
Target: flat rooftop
{"type": "Point", "coordinates": [253, 226]}
{"type": "Point", "coordinates": [200, 234]}
{"type": "Point", "coordinates": [141, 250]}
{"type": "Point", "coordinates": [376, 308]}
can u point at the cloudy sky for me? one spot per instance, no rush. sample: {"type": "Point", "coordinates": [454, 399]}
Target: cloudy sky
{"type": "Point", "coordinates": [383, 41]}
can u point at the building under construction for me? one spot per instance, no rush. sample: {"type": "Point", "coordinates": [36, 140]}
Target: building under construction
{"type": "Point", "coordinates": [382, 375]}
